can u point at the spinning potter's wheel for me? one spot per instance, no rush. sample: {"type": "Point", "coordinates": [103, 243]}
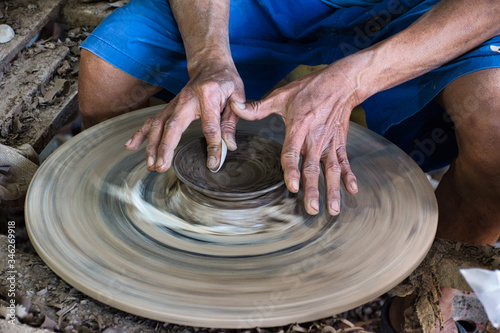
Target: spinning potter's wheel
{"type": "Point", "coordinates": [155, 246]}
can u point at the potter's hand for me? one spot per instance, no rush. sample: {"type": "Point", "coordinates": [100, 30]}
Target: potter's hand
{"type": "Point", "coordinates": [206, 96]}
{"type": "Point", "coordinates": [316, 110]}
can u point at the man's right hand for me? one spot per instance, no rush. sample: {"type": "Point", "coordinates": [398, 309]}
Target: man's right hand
{"type": "Point", "coordinates": [207, 95]}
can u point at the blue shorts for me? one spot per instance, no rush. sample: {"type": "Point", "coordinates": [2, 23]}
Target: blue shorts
{"type": "Point", "coordinates": [270, 38]}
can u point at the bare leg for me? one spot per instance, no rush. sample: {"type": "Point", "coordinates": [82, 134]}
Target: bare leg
{"type": "Point", "coordinates": [105, 91]}
{"type": "Point", "coordinates": [469, 193]}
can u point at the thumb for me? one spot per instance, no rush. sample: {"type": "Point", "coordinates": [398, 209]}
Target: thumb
{"type": "Point", "coordinates": [252, 111]}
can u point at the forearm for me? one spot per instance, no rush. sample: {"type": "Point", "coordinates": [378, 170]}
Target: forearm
{"type": "Point", "coordinates": [446, 31]}
{"type": "Point", "coordinates": [203, 25]}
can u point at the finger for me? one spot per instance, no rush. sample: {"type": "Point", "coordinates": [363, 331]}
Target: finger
{"type": "Point", "coordinates": [154, 137]}
{"type": "Point", "coordinates": [228, 128]}
{"type": "Point", "coordinates": [347, 175]}
{"type": "Point", "coordinates": [258, 109]}
{"type": "Point", "coordinates": [332, 172]}
{"type": "Point", "coordinates": [229, 118]}
{"type": "Point", "coordinates": [290, 157]}
{"type": "Point", "coordinates": [210, 126]}
{"type": "Point", "coordinates": [310, 177]}
{"type": "Point", "coordinates": [172, 133]}
{"type": "Point", "coordinates": [139, 137]}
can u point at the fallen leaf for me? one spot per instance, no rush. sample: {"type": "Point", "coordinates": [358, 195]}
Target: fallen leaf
{"type": "Point", "coordinates": [65, 310]}
{"type": "Point", "coordinates": [42, 292]}
{"type": "Point", "coordinates": [329, 329]}
{"type": "Point", "coordinates": [49, 323]}
{"type": "Point", "coordinates": [59, 85]}
{"type": "Point", "coordinates": [16, 125]}
{"type": "Point", "coordinates": [345, 323]}
{"type": "Point", "coordinates": [298, 328]}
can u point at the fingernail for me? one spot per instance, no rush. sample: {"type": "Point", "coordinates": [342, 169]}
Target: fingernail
{"type": "Point", "coordinates": [335, 206]}
{"type": "Point", "coordinates": [295, 185]}
{"type": "Point", "coordinates": [151, 161]}
{"type": "Point", "coordinates": [314, 204]}
{"type": "Point", "coordinates": [212, 162]}
{"type": "Point", "coordinates": [354, 186]}
{"type": "Point", "coordinates": [128, 142]}
{"type": "Point", "coordinates": [160, 162]}
{"type": "Point", "coordinates": [240, 105]}
{"type": "Point", "coordinates": [230, 142]}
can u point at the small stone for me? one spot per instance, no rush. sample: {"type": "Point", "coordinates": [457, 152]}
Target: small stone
{"type": "Point", "coordinates": [6, 33]}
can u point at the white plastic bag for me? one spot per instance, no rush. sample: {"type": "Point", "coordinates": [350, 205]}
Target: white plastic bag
{"type": "Point", "coordinates": [486, 286]}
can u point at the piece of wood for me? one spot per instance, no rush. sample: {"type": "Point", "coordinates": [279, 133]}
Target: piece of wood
{"type": "Point", "coordinates": [22, 83]}
{"type": "Point", "coordinates": [50, 120]}
{"type": "Point", "coordinates": [77, 13]}
{"type": "Point", "coordinates": [27, 18]}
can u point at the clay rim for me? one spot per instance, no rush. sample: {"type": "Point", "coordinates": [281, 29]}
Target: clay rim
{"type": "Point", "coordinates": [235, 194]}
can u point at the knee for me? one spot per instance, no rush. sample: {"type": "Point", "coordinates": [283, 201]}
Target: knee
{"type": "Point", "coordinates": [88, 100]}
{"type": "Point", "coordinates": [480, 150]}
{"type": "Point", "coordinates": [104, 91]}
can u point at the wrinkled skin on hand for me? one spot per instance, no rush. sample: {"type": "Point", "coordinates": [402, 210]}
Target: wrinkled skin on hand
{"type": "Point", "coordinates": [316, 110]}
{"type": "Point", "coordinates": [17, 168]}
{"type": "Point", "coordinates": [206, 96]}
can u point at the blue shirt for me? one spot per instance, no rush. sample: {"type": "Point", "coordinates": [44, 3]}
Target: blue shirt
{"type": "Point", "coordinates": [350, 3]}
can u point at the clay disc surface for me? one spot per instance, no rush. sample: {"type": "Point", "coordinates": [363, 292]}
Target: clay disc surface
{"type": "Point", "coordinates": [142, 242]}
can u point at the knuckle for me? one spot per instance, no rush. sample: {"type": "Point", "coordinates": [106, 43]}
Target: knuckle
{"type": "Point", "coordinates": [141, 132]}
{"type": "Point", "coordinates": [334, 193]}
{"type": "Point", "coordinates": [341, 151]}
{"type": "Point", "coordinates": [170, 125]}
{"type": "Point", "coordinates": [151, 149]}
{"type": "Point", "coordinates": [183, 97]}
{"type": "Point", "coordinates": [311, 190]}
{"type": "Point", "coordinates": [212, 149]}
{"type": "Point", "coordinates": [210, 129]}
{"type": "Point", "coordinates": [333, 168]}
{"type": "Point", "coordinates": [209, 88]}
{"type": "Point", "coordinates": [290, 155]}
{"type": "Point", "coordinates": [163, 146]}
{"type": "Point", "coordinates": [149, 121]}
{"type": "Point", "coordinates": [344, 163]}
{"type": "Point", "coordinates": [228, 126]}
{"type": "Point", "coordinates": [311, 168]}
{"type": "Point", "coordinates": [156, 122]}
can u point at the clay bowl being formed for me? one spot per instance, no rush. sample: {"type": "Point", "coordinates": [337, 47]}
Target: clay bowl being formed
{"type": "Point", "coordinates": [250, 171]}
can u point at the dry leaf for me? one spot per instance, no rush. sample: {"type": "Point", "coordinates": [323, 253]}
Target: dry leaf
{"type": "Point", "coordinates": [345, 323]}
{"type": "Point", "coordinates": [16, 125]}
{"type": "Point", "coordinates": [55, 305]}
{"type": "Point", "coordinates": [298, 328]}
{"type": "Point", "coordinates": [329, 329]}
{"type": "Point", "coordinates": [59, 86]}
{"type": "Point", "coordinates": [49, 323]}
{"type": "Point", "coordinates": [75, 50]}
{"type": "Point", "coordinates": [64, 311]}
{"type": "Point", "coordinates": [42, 292]}
{"type": "Point", "coordinates": [363, 323]}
